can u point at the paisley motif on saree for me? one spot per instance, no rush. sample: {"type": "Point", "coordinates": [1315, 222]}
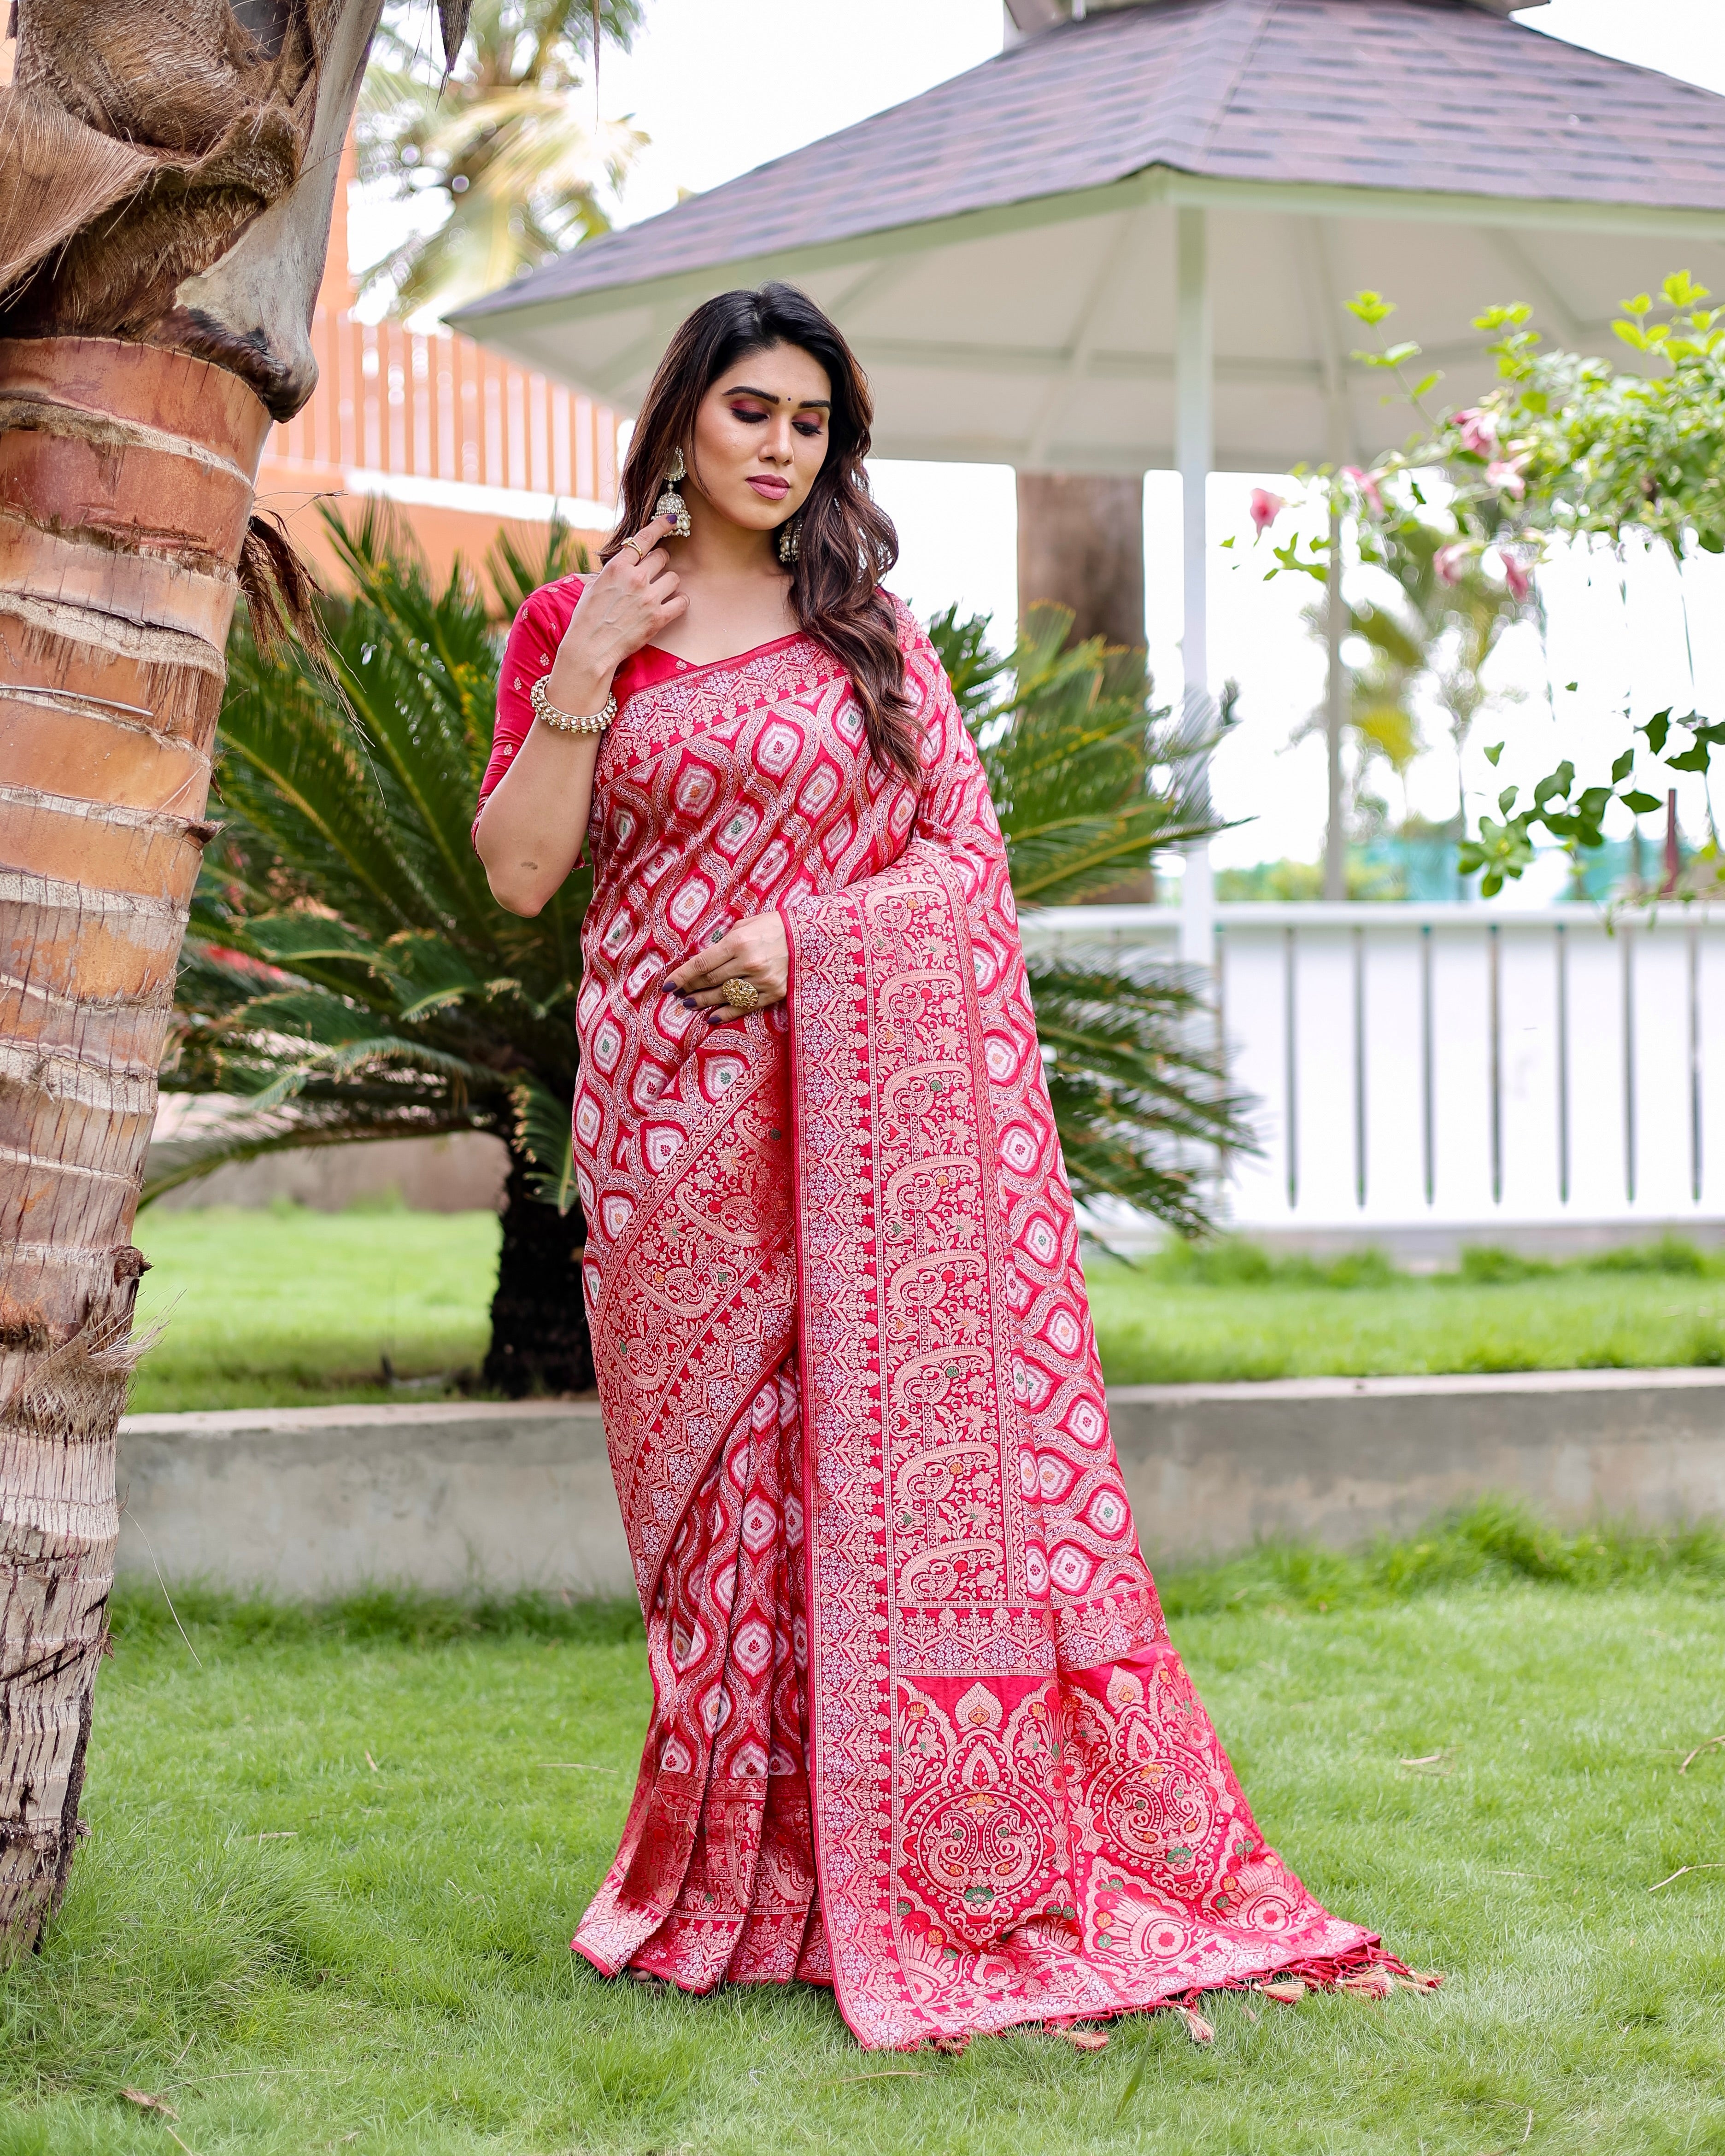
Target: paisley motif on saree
{"type": "Point", "coordinates": [903, 1639]}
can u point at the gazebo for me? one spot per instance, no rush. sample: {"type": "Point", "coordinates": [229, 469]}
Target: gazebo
{"type": "Point", "coordinates": [1124, 244]}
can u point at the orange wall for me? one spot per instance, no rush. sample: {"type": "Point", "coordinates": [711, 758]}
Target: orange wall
{"type": "Point", "coordinates": [442, 409]}
{"type": "Point", "coordinates": [293, 491]}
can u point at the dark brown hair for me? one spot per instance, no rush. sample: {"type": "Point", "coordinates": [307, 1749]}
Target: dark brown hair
{"type": "Point", "coordinates": [845, 540]}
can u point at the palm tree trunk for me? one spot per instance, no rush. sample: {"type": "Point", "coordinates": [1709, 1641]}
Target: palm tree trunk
{"type": "Point", "coordinates": [126, 473]}
{"type": "Point", "coordinates": [1081, 544]}
{"type": "Point", "coordinates": [539, 1335]}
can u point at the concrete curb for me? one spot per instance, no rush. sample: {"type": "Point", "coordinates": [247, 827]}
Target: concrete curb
{"type": "Point", "coordinates": [316, 1500]}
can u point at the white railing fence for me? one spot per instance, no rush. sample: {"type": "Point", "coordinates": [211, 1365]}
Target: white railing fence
{"type": "Point", "coordinates": [1461, 1066]}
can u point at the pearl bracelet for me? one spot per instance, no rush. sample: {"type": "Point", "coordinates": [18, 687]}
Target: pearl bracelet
{"type": "Point", "coordinates": [567, 723]}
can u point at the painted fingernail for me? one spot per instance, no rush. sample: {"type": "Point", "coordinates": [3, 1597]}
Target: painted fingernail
{"type": "Point", "coordinates": [715, 1018]}
{"type": "Point", "coordinates": [687, 1001]}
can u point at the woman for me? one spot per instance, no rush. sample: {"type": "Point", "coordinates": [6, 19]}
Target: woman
{"type": "Point", "coordinates": [918, 1729]}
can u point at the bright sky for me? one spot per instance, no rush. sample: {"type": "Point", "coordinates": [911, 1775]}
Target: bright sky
{"type": "Point", "coordinates": [722, 88]}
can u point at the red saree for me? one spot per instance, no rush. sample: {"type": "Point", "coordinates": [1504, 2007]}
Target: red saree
{"type": "Point", "coordinates": [918, 1731]}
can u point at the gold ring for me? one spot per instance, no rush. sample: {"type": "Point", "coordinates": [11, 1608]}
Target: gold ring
{"type": "Point", "coordinates": [634, 547]}
{"type": "Point", "coordinates": [742, 995]}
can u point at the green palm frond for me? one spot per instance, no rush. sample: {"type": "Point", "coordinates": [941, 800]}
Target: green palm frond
{"type": "Point", "coordinates": [546, 1136]}
{"type": "Point", "coordinates": [1434, 632]}
{"type": "Point", "coordinates": [504, 143]}
{"type": "Point", "coordinates": [1139, 1087]}
{"type": "Point", "coordinates": [1089, 780]}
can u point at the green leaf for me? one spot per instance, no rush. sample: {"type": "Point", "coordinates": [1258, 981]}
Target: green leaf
{"type": "Point", "coordinates": [1624, 766]}
{"type": "Point", "coordinates": [1370, 308]}
{"type": "Point", "coordinates": [1133, 2081]}
{"type": "Point", "coordinates": [1504, 318]}
{"type": "Point", "coordinates": [285, 939]}
{"type": "Point", "coordinates": [1397, 353]}
{"type": "Point", "coordinates": [1506, 800]}
{"type": "Point", "coordinates": [1494, 753]}
{"type": "Point", "coordinates": [545, 1133]}
{"type": "Point", "coordinates": [1655, 730]}
{"type": "Point", "coordinates": [1427, 383]}
{"type": "Point", "coordinates": [1641, 305]}
{"type": "Point", "coordinates": [1641, 804]}
{"type": "Point", "coordinates": [1631, 334]}
{"type": "Point", "coordinates": [1692, 759]}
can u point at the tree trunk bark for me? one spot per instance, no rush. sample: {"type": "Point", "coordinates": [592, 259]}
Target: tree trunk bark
{"type": "Point", "coordinates": [539, 1335]}
{"type": "Point", "coordinates": [126, 474]}
{"type": "Point", "coordinates": [1081, 543]}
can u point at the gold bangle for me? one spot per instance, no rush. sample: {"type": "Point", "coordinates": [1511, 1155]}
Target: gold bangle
{"type": "Point", "coordinates": [569, 723]}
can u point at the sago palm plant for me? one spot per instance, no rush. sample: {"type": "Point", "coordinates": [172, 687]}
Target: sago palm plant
{"type": "Point", "coordinates": [349, 976]}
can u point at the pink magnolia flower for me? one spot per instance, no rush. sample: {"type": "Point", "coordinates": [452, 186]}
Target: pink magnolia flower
{"type": "Point", "coordinates": [1367, 482]}
{"type": "Point", "coordinates": [1516, 576]}
{"type": "Point", "coordinates": [1474, 427]}
{"type": "Point", "coordinates": [1266, 507]}
{"type": "Point", "coordinates": [1505, 474]}
{"type": "Point", "coordinates": [1449, 561]}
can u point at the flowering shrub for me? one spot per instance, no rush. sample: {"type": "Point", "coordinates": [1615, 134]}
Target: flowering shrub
{"type": "Point", "coordinates": [1562, 447]}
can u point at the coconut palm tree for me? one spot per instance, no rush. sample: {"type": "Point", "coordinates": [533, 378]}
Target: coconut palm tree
{"type": "Point", "coordinates": [1439, 630]}
{"type": "Point", "coordinates": [164, 199]}
{"type": "Point", "coordinates": [349, 977]}
{"type": "Point", "coordinates": [501, 143]}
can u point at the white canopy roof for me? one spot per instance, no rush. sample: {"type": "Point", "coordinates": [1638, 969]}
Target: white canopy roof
{"type": "Point", "coordinates": [1124, 244]}
{"type": "Point", "coordinates": [1002, 250]}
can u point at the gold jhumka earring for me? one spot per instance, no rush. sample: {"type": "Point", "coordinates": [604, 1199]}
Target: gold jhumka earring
{"type": "Point", "coordinates": [790, 539]}
{"type": "Point", "coordinates": [670, 503]}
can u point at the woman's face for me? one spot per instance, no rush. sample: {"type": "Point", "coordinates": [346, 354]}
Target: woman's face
{"type": "Point", "coordinates": [760, 436]}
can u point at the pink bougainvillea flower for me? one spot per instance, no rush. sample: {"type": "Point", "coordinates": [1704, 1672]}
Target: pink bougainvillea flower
{"type": "Point", "coordinates": [1474, 427]}
{"type": "Point", "coordinates": [1516, 576]}
{"type": "Point", "coordinates": [1266, 507]}
{"type": "Point", "coordinates": [1367, 482]}
{"type": "Point", "coordinates": [1449, 561]}
{"type": "Point", "coordinates": [1505, 474]}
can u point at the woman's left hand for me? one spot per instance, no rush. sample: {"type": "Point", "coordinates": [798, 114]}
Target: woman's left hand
{"type": "Point", "coordinates": [755, 951]}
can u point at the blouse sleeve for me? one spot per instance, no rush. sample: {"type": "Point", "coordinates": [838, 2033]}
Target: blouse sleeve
{"type": "Point", "coordinates": [533, 641]}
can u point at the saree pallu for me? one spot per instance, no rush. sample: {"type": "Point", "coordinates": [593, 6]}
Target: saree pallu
{"type": "Point", "coordinates": [917, 1727]}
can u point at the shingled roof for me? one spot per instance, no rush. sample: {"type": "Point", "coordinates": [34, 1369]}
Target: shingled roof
{"type": "Point", "coordinates": [1429, 96]}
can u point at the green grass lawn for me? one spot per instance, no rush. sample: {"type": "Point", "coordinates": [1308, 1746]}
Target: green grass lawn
{"type": "Point", "coordinates": [335, 1865]}
{"type": "Point", "coordinates": [1167, 1332]}
{"type": "Point", "coordinates": [285, 1307]}
{"type": "Point", "coordinates": [289, 1307]}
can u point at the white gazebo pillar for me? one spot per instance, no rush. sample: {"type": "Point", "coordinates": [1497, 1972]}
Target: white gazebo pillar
{"type": "Point", "coordinates": [1194, 436]}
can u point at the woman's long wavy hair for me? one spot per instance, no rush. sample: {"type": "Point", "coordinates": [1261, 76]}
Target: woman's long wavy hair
{"type": "Point", "coordinates": [845, 541]}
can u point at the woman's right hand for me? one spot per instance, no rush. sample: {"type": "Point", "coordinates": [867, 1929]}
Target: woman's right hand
{"type": "Point", "coordinates": [632, 600]}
